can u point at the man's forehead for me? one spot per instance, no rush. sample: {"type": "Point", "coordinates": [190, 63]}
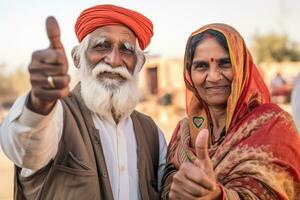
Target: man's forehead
{"type": "Point", "coordinates": [114, 32]}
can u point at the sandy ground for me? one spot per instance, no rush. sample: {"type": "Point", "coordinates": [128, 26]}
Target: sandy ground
{"type": "Point", "coordinates": [166, 118]}
{"type": "Point", "coordinates": [6, 178]}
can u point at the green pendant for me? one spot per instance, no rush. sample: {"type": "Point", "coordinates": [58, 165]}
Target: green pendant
{"type": "Point", "coordinates": [198, 121]}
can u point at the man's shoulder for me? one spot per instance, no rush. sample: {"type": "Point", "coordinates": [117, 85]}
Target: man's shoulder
{"type": "Point", "coordinates": [74, 98]}
{"type": "Point", "coordinates": [144, 120]}
{"type": "Point", "coordinates": [142, 115]}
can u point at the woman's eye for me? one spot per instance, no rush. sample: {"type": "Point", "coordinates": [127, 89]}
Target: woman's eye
{"type": "Point", "coordinates": [200, 66]}
{"type": "Point", "coordinates": [225, 65]}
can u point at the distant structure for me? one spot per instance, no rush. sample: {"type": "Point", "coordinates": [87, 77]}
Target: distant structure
{"type": "Point", "coordinates": [163, 78]}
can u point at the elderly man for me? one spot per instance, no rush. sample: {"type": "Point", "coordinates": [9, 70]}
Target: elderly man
{"type": "Point", "coordinates": [88, 143]}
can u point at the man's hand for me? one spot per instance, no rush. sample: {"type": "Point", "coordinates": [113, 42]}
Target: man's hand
{"type": "Point", "coordinates": [50, 62]}
{"type": "Point", "coordinates": [196, 180]}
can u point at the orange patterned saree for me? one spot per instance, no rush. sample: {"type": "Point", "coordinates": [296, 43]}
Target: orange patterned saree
{"type": "Point", "coordinates": [259, 155]}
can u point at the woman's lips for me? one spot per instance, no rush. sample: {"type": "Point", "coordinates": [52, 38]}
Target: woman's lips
{"type": "Point", "coordinates": [217, 88]}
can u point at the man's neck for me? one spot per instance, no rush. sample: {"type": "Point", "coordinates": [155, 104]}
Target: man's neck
{"type": "Point", "coordinates": [112, 117]}
{"type": "Point", "coordinates": [115, 116]}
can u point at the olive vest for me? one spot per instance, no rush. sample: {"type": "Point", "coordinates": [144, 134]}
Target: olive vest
{"type": "Point", "coordinates": [78, 171]}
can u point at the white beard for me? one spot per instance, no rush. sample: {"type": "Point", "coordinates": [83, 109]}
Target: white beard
{"type": "Point", "coordinates": [109, 97]}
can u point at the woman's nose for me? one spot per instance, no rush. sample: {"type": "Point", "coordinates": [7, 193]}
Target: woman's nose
{"type": "Point", "coordinates": [214, 74]}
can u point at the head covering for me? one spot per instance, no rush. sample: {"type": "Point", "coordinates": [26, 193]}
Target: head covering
{"type": "Point", "coordinates": [248, 89]}
{"type": "Point", "coordinates": [103, 15]}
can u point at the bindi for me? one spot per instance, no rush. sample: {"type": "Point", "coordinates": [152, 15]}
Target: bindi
{"type": "Point", "coordinates": [208, 36]}
{"type": "Point", "coordinates": [212, 59]}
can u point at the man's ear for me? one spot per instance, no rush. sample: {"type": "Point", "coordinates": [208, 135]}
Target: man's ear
{"type": "Point", "coordinates": [75, 56]}
{"type": "Point", "coordinates": [143, 60]}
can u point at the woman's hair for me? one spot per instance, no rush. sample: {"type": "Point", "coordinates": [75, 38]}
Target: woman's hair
{"type": "Point", "coordinates": [201, 36]}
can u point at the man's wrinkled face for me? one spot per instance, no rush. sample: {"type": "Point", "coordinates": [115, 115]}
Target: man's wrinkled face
{"type": "Point", "coordinates": [111, 54]}
{"type": "Point", "coordinates": [110, 60]}
{"type": "Point", "coordinates": [114, 45]}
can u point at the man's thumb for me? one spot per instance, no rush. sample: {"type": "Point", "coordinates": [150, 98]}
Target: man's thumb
{"type": "Point", "coordinates": [202, 145]}
{"type": "Point", "coordinates": [53, 33]}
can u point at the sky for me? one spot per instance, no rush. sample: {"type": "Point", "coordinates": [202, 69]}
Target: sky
{"type": "Point", "coordinates": [22, 23]}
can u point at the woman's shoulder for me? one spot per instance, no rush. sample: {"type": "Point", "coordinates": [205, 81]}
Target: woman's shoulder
{"type": "Point", "coordinates": [269, 109]}
{"type": "Point", "coordinates": [268, 116]}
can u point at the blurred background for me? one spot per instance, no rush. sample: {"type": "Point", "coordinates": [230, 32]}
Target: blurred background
{"type": "Point", "coordinates": [270, 29]}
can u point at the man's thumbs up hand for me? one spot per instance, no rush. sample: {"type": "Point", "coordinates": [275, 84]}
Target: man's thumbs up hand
{"type": "Point", "coordinates": [48, 72]}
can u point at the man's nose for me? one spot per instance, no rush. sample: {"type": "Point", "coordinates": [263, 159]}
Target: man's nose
{"type": "Point", "coordinates": [214, 74]}
{"type": "Point", "coordinates": [113, 58]}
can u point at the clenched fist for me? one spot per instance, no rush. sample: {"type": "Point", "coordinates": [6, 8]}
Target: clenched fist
{"type": "Point", "coordinates": [48, 72]}
{"type": "Point", "coordinates": [195, 181]}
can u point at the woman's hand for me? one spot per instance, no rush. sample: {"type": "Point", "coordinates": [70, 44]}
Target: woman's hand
{"type": "Point", "coordinates": [196, 180]}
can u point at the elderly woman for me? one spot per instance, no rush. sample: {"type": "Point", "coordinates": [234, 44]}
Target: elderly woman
{"type": "Point", "coordinates": [234, 143]}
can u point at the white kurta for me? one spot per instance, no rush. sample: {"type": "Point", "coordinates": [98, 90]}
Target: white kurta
{"type": "Point", "coordinates": [31, 140]}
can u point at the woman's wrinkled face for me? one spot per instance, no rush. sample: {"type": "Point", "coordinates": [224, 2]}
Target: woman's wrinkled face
{"type": "Point", "coordinates": [211, 72]}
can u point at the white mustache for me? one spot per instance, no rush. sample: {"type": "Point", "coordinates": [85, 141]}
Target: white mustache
{"type": "Point", "coordinates": [103, 96]}
{"type": "Point", "coordinates": [103, 67]}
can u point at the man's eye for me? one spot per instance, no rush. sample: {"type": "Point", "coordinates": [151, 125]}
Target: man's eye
{"type": "Point", "coordinates": [103, 46]}
{"type": "Point", "coordinates": [127, 49]}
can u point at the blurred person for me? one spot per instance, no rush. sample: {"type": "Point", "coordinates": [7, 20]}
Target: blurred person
{"type": "Point", "coordinates": [295, 102]}
{"type": "Point", "coordinates": [280, 87]}
{"type": "Point", "coordinates": [89, 143]}
{"type": "Point", "coordinates": [278, 80]}
{"type": "Point", "coordinates": [234, 143]}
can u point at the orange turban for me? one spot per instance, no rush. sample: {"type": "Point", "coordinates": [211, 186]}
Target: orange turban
{"type": "Point", "coordinates": [102, 15]}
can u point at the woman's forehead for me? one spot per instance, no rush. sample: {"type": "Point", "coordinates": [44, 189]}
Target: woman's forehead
{"type": "Point", "coordinates": [210, 47]}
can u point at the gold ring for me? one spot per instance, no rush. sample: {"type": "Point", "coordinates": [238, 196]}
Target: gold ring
{"type": "Point", "coordinates": [50, 81]}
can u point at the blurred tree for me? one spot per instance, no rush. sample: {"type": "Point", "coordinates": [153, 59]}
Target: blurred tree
{"type": "Point", "coordinates": [12, 84]}
{"type": "Point", "coordinates": [20, 81]}
{"type": "Point", "coordinates": [274, 48]}
{"type": "Point", "coordinates": [4, 82]}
